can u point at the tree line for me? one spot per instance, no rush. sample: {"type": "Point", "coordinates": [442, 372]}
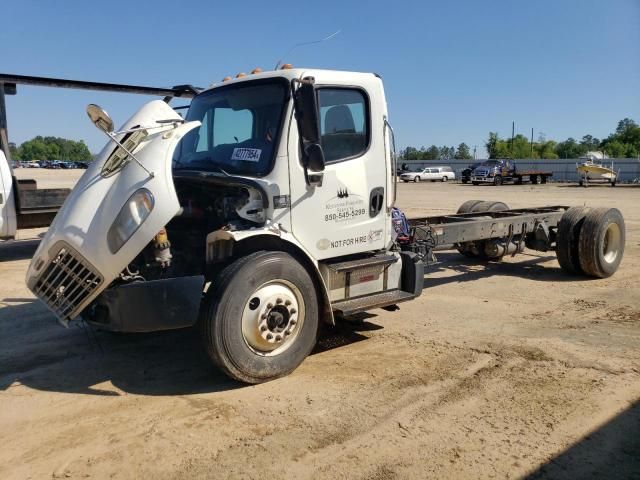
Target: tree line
{"type": "Point", "coordinates": [623, 143]}
{"type": "Point", "coordinates": [51, 148]}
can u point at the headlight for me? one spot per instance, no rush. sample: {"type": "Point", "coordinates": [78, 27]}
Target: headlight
{"type": "Point", "coordinates": [129, 219]}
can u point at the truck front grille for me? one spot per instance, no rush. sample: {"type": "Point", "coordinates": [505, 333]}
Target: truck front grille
{"type": "Point", "coordinates": [66, 282]}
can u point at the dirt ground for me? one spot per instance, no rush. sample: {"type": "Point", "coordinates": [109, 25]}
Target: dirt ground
{"type": "Point", "coordinates": [500, 370]}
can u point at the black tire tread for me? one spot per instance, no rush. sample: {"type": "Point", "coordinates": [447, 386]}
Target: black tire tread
{"type": "Point", "coordinates": [214, 343]}
{"type": "Point", "coordinates": [468, 205]}
{"type": "Point", "coordinates": [567, 249]}
{"type": "Point", "coordinates": [590, 241]}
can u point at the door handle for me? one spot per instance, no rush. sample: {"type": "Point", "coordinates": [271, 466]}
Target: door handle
{"type": "Point", "coordinates": [376, 200]}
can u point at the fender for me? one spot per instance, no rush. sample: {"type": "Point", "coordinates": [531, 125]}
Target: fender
{"type": "Point", "coordinates": [223, 244]}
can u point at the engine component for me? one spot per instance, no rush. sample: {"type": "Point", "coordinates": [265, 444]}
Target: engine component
{"type": "Point", "coordinates": [162, 248]}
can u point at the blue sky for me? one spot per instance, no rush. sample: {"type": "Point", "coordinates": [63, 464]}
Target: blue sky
{"type": "Point", "coordinates": [453, 70]}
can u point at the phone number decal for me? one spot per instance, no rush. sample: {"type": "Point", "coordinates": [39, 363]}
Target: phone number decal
{"type": "Point", "coordinates": [344, 214]}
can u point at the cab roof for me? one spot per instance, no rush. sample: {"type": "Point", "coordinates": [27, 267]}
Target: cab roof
{"type": "Point", "coordinates": [291, 73]}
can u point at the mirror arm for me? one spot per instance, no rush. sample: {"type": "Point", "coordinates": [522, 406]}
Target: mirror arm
{"type": "Point", "coordinates": [163, 123]}
{"type": "Point", "coordinates": [112, 136]}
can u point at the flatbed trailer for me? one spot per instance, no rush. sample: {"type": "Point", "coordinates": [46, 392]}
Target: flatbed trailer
{"type": "Point", "coordinates": [497, 172]}
{"type": "Point", "coordinates": [533, 176]}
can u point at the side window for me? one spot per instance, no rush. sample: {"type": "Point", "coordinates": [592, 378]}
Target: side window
{"type": "Point", "coordinates": [344, 123]}
{"type": "Point", "coordinates": [232, 126]}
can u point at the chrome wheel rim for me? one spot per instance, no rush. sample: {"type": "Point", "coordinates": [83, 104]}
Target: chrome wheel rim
{"type": "Point", "coordinates": [611, 243]}
{"type": "Point", "coordinates": [272, 317]}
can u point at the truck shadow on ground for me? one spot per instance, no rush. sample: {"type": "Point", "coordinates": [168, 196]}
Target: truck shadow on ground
{"type": "Point", "coordinates": [37, 352]}
{"type": "Point", "coordinates": [468, 269]}
{"type": "Point", "coordinates": [612, 451]}
{"type": "Point", "coordinates": [18, 249]}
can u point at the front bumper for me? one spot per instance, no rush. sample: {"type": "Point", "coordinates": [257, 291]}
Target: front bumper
{"type": "Point", "coordinates": [482, 179]}
{"type": "Point", "coordinates": [149, 306]}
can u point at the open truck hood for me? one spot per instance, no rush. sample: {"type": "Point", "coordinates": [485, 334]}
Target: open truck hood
{"type": "Point", "coordinates": [74, 261]}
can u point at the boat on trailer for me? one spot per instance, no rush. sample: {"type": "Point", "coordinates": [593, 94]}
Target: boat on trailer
{"type": "Point", "coordinates": [592, 170]}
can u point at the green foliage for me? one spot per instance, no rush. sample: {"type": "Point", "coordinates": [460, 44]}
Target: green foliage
{"type": "Point", "coordinates": [13, 151]}
{"type": "Point", "coordinates": [432, 153]}
{"type": "Point", "coordinates": [52, 148]}
{"type": "Point", "coordinates": [623, 143]}
{"type": "Point", "coordinates": [570, 149]}
{"type": "Point", "coordinates": [411, 153]}
{"type": "Point", "coordinates": [463, 152]}
{"type": "Point", "coordinates": [447, 153]}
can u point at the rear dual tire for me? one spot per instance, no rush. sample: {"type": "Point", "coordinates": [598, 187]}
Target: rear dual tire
{"type": "Point", "coordinates": [590, 241]}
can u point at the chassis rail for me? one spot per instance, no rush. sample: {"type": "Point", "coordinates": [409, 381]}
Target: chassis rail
{"type": "Point", "coordinates": [469, 227]}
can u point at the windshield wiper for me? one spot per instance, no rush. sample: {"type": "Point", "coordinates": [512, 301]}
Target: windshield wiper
{"type": "Point", "coordinates": [202, 167]}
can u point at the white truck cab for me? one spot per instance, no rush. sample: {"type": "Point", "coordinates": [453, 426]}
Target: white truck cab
{"type": "Point", "coordinates": [268, 209]}
{"type": "Point", "coordinates": [263, 212]}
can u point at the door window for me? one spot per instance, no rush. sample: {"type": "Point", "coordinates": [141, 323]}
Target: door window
{"type": "Point", "coordinates": [344, 123]}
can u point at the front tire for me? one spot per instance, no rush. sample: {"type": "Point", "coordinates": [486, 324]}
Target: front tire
{"type": "Point", "coordinates": [416, 179]}
{"type": "Point", "coordinates": [445, 179]}
{"type": "Point", "coordinates": [261, 317]}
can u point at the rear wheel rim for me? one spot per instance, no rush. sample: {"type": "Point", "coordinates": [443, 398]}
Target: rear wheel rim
{"type": "Point", "coordinates": [273, 317]}
{"type": "Point", "coordinates": [611, 243]}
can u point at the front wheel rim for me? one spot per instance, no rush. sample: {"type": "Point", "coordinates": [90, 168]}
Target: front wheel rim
{"type": "Point", "coordinates": [273, 317]}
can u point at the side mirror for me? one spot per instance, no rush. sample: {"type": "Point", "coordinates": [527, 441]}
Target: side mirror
{"type": "Point", "coordinates": [100, 118]}
{"type": "Point", "coordinates": [307, 117]}
{"type": "Point", "coordinates": [314, 157]}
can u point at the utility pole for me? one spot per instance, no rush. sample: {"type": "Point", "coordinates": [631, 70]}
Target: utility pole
{"type": "Point", "coordinates": [532, 143]}
{"type": "Point", "coordinates": [513, 132]}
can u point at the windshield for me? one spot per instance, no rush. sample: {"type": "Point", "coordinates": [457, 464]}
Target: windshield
{"type": "Point", "coordinates": [240, 128]}
{"type": "Point", "coordinates": [490, 163]}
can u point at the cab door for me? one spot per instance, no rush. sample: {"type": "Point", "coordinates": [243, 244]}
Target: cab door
{"type": "Point", "coordinates": [348, 213]}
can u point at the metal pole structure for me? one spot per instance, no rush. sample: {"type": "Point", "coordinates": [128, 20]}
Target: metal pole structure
{"type": "Point", "coordinates": [186, 91]}
{"type": "Point", "coordinates": [531, 143]}
{"type": "Point", "coordinates": [513, 132]}
{"type": "Point", "coordinates": [4, 135]}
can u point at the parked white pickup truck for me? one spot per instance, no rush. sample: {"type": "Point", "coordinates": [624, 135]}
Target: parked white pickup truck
{"type": "Point", "coordinates": [431, 174]}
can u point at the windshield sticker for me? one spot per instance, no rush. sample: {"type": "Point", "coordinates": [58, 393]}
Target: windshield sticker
{"type": "Point", "coordinates": [246, 154]}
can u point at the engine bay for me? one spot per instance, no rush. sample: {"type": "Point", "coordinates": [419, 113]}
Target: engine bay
{"type": "Point", "coordinates": [205, 206]}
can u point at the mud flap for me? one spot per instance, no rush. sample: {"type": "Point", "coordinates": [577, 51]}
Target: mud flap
{"type": "Point", "coordinates": [150, 306]}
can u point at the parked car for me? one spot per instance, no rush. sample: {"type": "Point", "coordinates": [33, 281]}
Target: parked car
{"type": "Point", "coordinates": [432, 173]}
{"type": "Point", "coordinates": [465, 175]}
